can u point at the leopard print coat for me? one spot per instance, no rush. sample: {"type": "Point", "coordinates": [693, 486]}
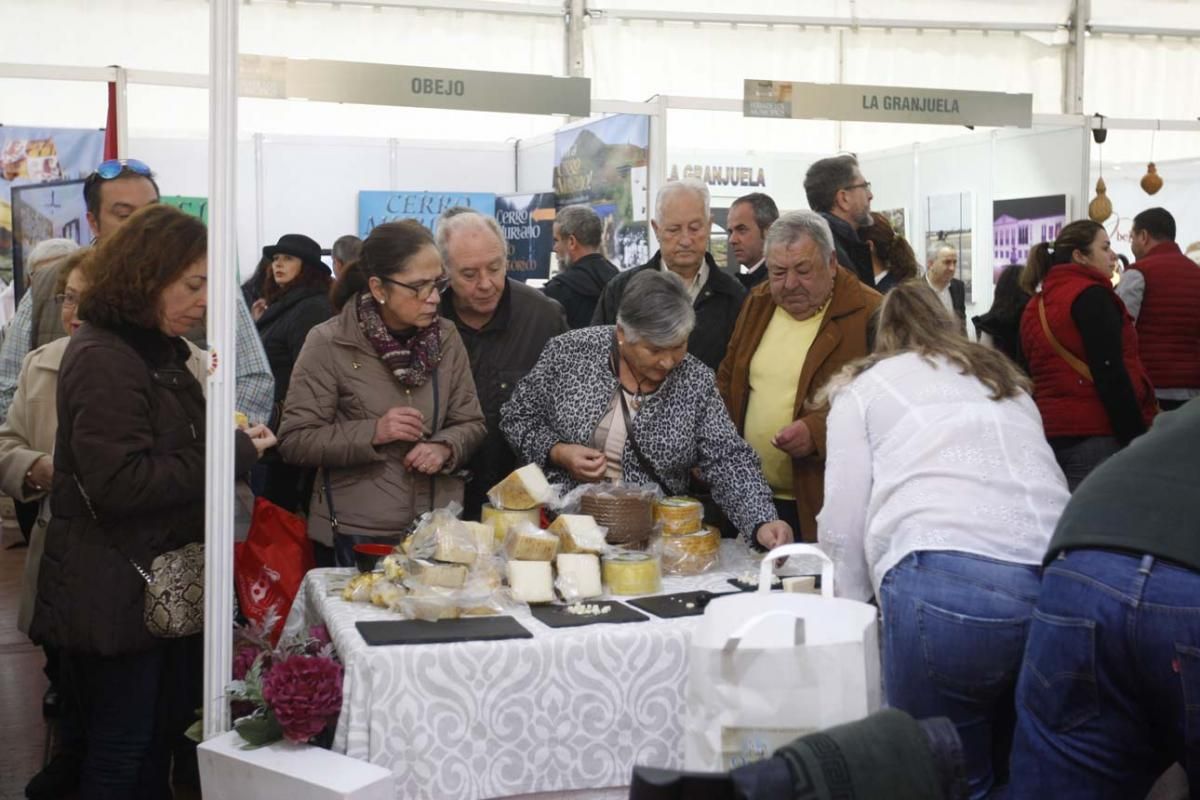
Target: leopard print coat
{"type": "Point", "coordinates": [682, 425]}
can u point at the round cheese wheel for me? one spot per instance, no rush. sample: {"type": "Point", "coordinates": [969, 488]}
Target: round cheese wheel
{"type": "Point", "coordinates": [679, 515]}
{"type": "Point", "coordinates": [632, 574]}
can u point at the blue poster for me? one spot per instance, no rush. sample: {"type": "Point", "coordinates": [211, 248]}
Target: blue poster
{"type": "Point", "coordinates": [41, 155]}
{"type": "Point", "coordinates": [376, 208]}
{"type": "Point", "coordinates": [528, 224]}
{"type": "Point", "coordinates": [604, 164]}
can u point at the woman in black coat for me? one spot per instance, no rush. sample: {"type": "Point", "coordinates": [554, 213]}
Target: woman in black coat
{"type": "Point", "coordinates": [295, 299]}
{"type": "Point", "coordinates": [129, 486]}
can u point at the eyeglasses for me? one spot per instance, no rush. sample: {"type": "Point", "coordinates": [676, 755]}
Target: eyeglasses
{"type": "Point", "coordinates": [424, 289]}
{"type": "Point", "coordinates": [67, 299]}
{"type": "Point", "coordinates": [864, 185]}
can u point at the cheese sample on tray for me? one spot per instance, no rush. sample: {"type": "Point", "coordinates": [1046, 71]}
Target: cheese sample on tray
{"type": "Point", "coordinates": [531, 544]}
{"type": "Point", "coordinates": [524, 489]}
{"type": "Point", "coordinates": [578, 533]}
{"type": "Point", "coordinates": [446, 576]}
{"type": "Point", "coordinates": [579, 576]}
{"type": "Point", "coordinates": [531, 581]}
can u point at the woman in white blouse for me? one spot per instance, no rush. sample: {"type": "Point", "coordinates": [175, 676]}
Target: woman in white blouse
{"type": "Point", "coordinates": [941, 494]}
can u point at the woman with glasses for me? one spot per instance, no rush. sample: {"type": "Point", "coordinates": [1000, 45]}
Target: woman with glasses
{"type": "Point", "coordinates": [381, 398]}
{"type": "Point", "coordinates": [295, 299]}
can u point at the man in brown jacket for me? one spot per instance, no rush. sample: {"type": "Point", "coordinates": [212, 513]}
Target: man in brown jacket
{"type": "Point", "coordinates": [794, 332]}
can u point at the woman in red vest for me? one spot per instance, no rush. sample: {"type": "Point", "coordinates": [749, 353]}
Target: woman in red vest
{"type": "Point", "coordinates": [1089, 383]}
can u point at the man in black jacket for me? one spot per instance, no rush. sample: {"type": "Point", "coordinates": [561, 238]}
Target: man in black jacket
{"type": "Point", "coordinates": [682, 221]}
{"type": "Point", "coordinates": [504, 325]}
{"type": "Point", "coordinates": [584, 270]}
{"type": "Point", "coordinates": [749, 218]}
{"type": "Point", "coordinates": [939, 274]}
{"type": "Point", "coordinates": [837, 191]}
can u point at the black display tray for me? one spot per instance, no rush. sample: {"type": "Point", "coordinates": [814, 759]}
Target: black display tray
{"type": "Point", "coordinates": [419, 631]}
{"type": "Point", "coordinates": [669, 606]}
{"type": "Point", "coordinates": [557, 616]}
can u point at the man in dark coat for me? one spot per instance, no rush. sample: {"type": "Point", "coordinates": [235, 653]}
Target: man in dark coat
{"type": "Point", "coordinates": [584, 270]}
{"type": "Point", "coordinates": [836, 190]}
{"type": "Point", "coordinates": [504, 325]}
{"type": "Point", "coordinates": [939, 274]}
{"type": "Point", "coordinates": [682, 221]}
{"type": "Point", "coordinates": [749, 218]}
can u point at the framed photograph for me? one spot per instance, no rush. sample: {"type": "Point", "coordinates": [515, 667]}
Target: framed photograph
{"type": "Point", "coordinates": [42, 211]}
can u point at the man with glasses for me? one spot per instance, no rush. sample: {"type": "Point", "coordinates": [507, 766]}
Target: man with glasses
{"type": "Point", "coordinates": [504, 324]}
{"type": "Point", "coordinates": [112, 193]}
{"type": "Point", "coordinates": [838, 192]}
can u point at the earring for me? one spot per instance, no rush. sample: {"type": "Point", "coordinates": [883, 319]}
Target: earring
{"type": "Point", "coordinates": [379, 300]}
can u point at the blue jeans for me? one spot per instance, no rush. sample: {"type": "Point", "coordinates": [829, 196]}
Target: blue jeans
{"type": "Point", "coordinates": [954, 627]}
{"type": "Point", "coordinates": [1109, 695]}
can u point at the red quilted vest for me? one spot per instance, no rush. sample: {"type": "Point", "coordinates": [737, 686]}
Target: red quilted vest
{"type": "Point", "coordinates": [1168, 324]}
{"type": "Point", "coordinates": [1069, 402]}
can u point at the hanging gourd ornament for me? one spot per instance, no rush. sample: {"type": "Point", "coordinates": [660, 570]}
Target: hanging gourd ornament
{"type": "Point", "coordinates": [1100, 209]}
{"type": "Point", "coordinates": [1151, 181]}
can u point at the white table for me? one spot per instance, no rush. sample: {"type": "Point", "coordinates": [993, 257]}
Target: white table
{"type": "Point", "coordinates": [569, 709]}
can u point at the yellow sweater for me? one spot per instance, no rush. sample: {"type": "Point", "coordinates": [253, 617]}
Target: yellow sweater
{"type": "Point", "coordinates": [774, 376]}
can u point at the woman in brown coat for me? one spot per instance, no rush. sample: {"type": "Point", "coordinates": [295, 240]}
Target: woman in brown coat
{"type": "Point", "coordinates": [128, 486]}
{"type": "Point", "coordinates": [382, 398]}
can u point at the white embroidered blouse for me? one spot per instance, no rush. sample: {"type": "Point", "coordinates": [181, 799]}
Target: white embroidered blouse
{"type": "Point", "coordinates": [921, 458]}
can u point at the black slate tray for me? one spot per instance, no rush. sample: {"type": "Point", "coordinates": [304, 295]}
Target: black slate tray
{"type": "Point", "coordinates": [557, 616]}
{"type": "Point", "coordinates": [746, 587]}
{"type": "Point", "coordinates": [669, 606]}
{"type": "Point", "coordinates": [419, 631]}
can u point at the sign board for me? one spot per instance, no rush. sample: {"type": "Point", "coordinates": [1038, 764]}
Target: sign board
{"type": "Point", "coordinates": [378, 207]}
{"type": "Point", "coordinates": [528, 224]}
{"type": "Point", "coordinates": [196, 206]}
{"type": "Point", "coordinates": [423, 87]}
{"type": "Point", "coordinates": [787, 100]}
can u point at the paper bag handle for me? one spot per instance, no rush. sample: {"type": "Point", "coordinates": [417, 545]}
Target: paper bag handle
{"type": "Point", "coordinates": [735, 638]}
{"type": "Point", "coordinates": [797, 549]}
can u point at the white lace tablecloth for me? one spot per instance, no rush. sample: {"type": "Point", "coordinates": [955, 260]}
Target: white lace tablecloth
{"type": "Point", "coordinates": [571, 708]}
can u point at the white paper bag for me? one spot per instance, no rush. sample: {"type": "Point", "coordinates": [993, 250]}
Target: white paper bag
{"type": "Point", "coordinates": [767, 667]}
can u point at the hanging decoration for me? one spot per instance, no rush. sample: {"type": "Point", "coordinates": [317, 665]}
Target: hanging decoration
{"type": "Point", "coordinates": [1151, 182]}
{"type": "Point", "coordinates": [1101, 208]}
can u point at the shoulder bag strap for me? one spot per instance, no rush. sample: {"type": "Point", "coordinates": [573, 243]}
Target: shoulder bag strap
{"type": "Point", "coordinates": [87, 501]}
{"type": "Point", "coordinates": [643, 462]}
{"type": "Point", "coordinates": [1063, 353]}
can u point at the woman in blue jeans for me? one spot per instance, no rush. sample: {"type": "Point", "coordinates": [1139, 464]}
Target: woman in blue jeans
{"type": "Point", "coordinates": [941, 496]}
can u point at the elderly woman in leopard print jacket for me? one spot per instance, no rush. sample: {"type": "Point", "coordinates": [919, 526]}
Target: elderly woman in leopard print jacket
{"type": "Point", "coordinates": [627, 403]}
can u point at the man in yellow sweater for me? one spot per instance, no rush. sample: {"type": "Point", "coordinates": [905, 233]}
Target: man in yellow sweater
{"type": "Point", "coordinates": [794, 332]}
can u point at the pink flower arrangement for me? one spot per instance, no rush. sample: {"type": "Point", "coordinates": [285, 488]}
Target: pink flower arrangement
{"type": "Point", "coordinates": [291, 690]}
{"type": "Point", "coordinates": [304, 692]}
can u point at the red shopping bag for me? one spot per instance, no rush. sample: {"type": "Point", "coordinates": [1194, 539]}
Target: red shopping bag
{"type": "Point", "coordinates": [269, 566]}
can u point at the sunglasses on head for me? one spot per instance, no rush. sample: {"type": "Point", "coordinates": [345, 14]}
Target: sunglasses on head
{"type": "Point", "coordinates": [116, 166]}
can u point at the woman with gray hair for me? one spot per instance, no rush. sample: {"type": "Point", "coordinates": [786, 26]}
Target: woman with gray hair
{"type": "Point", "coordinates": [627, 403]}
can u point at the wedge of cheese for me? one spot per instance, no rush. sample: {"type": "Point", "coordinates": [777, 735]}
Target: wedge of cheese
{"type": "Point", "coordinates": [531, 544]}
{"type": "Point", "coordinates": [484, 536]}
{"type": "Point", "coordinates": [455, 543]}
{"type": "Point", "coordinates": [503, 520]}
{"type": "Point", "coordinates": [579, 576]}
{"type": "Point", "coordinates": [523, 489]}
{"type": "Point", "coordinates": [531, 581]}
{"type": "Point", "coordinates": [804, 584]}
{"type": "Point", "coordinates": [446, 576]}
{"type": "Point", "coordinates": [578, 533]}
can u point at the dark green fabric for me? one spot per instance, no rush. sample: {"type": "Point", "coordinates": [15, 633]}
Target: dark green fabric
{"type": "Point", "coordinates": [885, 756]}
{"type": "Point", "coordinates": [1145, 499]}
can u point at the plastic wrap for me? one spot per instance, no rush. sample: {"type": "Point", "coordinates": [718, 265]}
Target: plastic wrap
{"type": "Point", "coordinates": [678, 516]}
{"type": "Point", "coordinates": [692, 553]}
{"type": "Point", "coordinates": [386, 594]}
{"type": "Point", "coordinates": [626, 511]}
{"type": "Point", "coordinates": [358, 588]}
{"type": "Point", "coordinates": [528, 542]}
{"type": "Point", "coordinates": [441, 535]}
{"type": "Point", "coordinates": [504, 520]}
{"type": "Point", "coordinates": [632, 573]}
{"type": "Point", "coordinates": [578, 576]}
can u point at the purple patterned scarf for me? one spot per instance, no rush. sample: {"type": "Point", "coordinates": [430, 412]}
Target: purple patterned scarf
{"type": "Point", "coordinates": [411, 359]}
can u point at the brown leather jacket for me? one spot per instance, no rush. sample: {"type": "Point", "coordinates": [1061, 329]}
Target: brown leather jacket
{"type": "Point", "coordinates": [339, 389]}
{"type": "Point", "coordinates": [841, 339]}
